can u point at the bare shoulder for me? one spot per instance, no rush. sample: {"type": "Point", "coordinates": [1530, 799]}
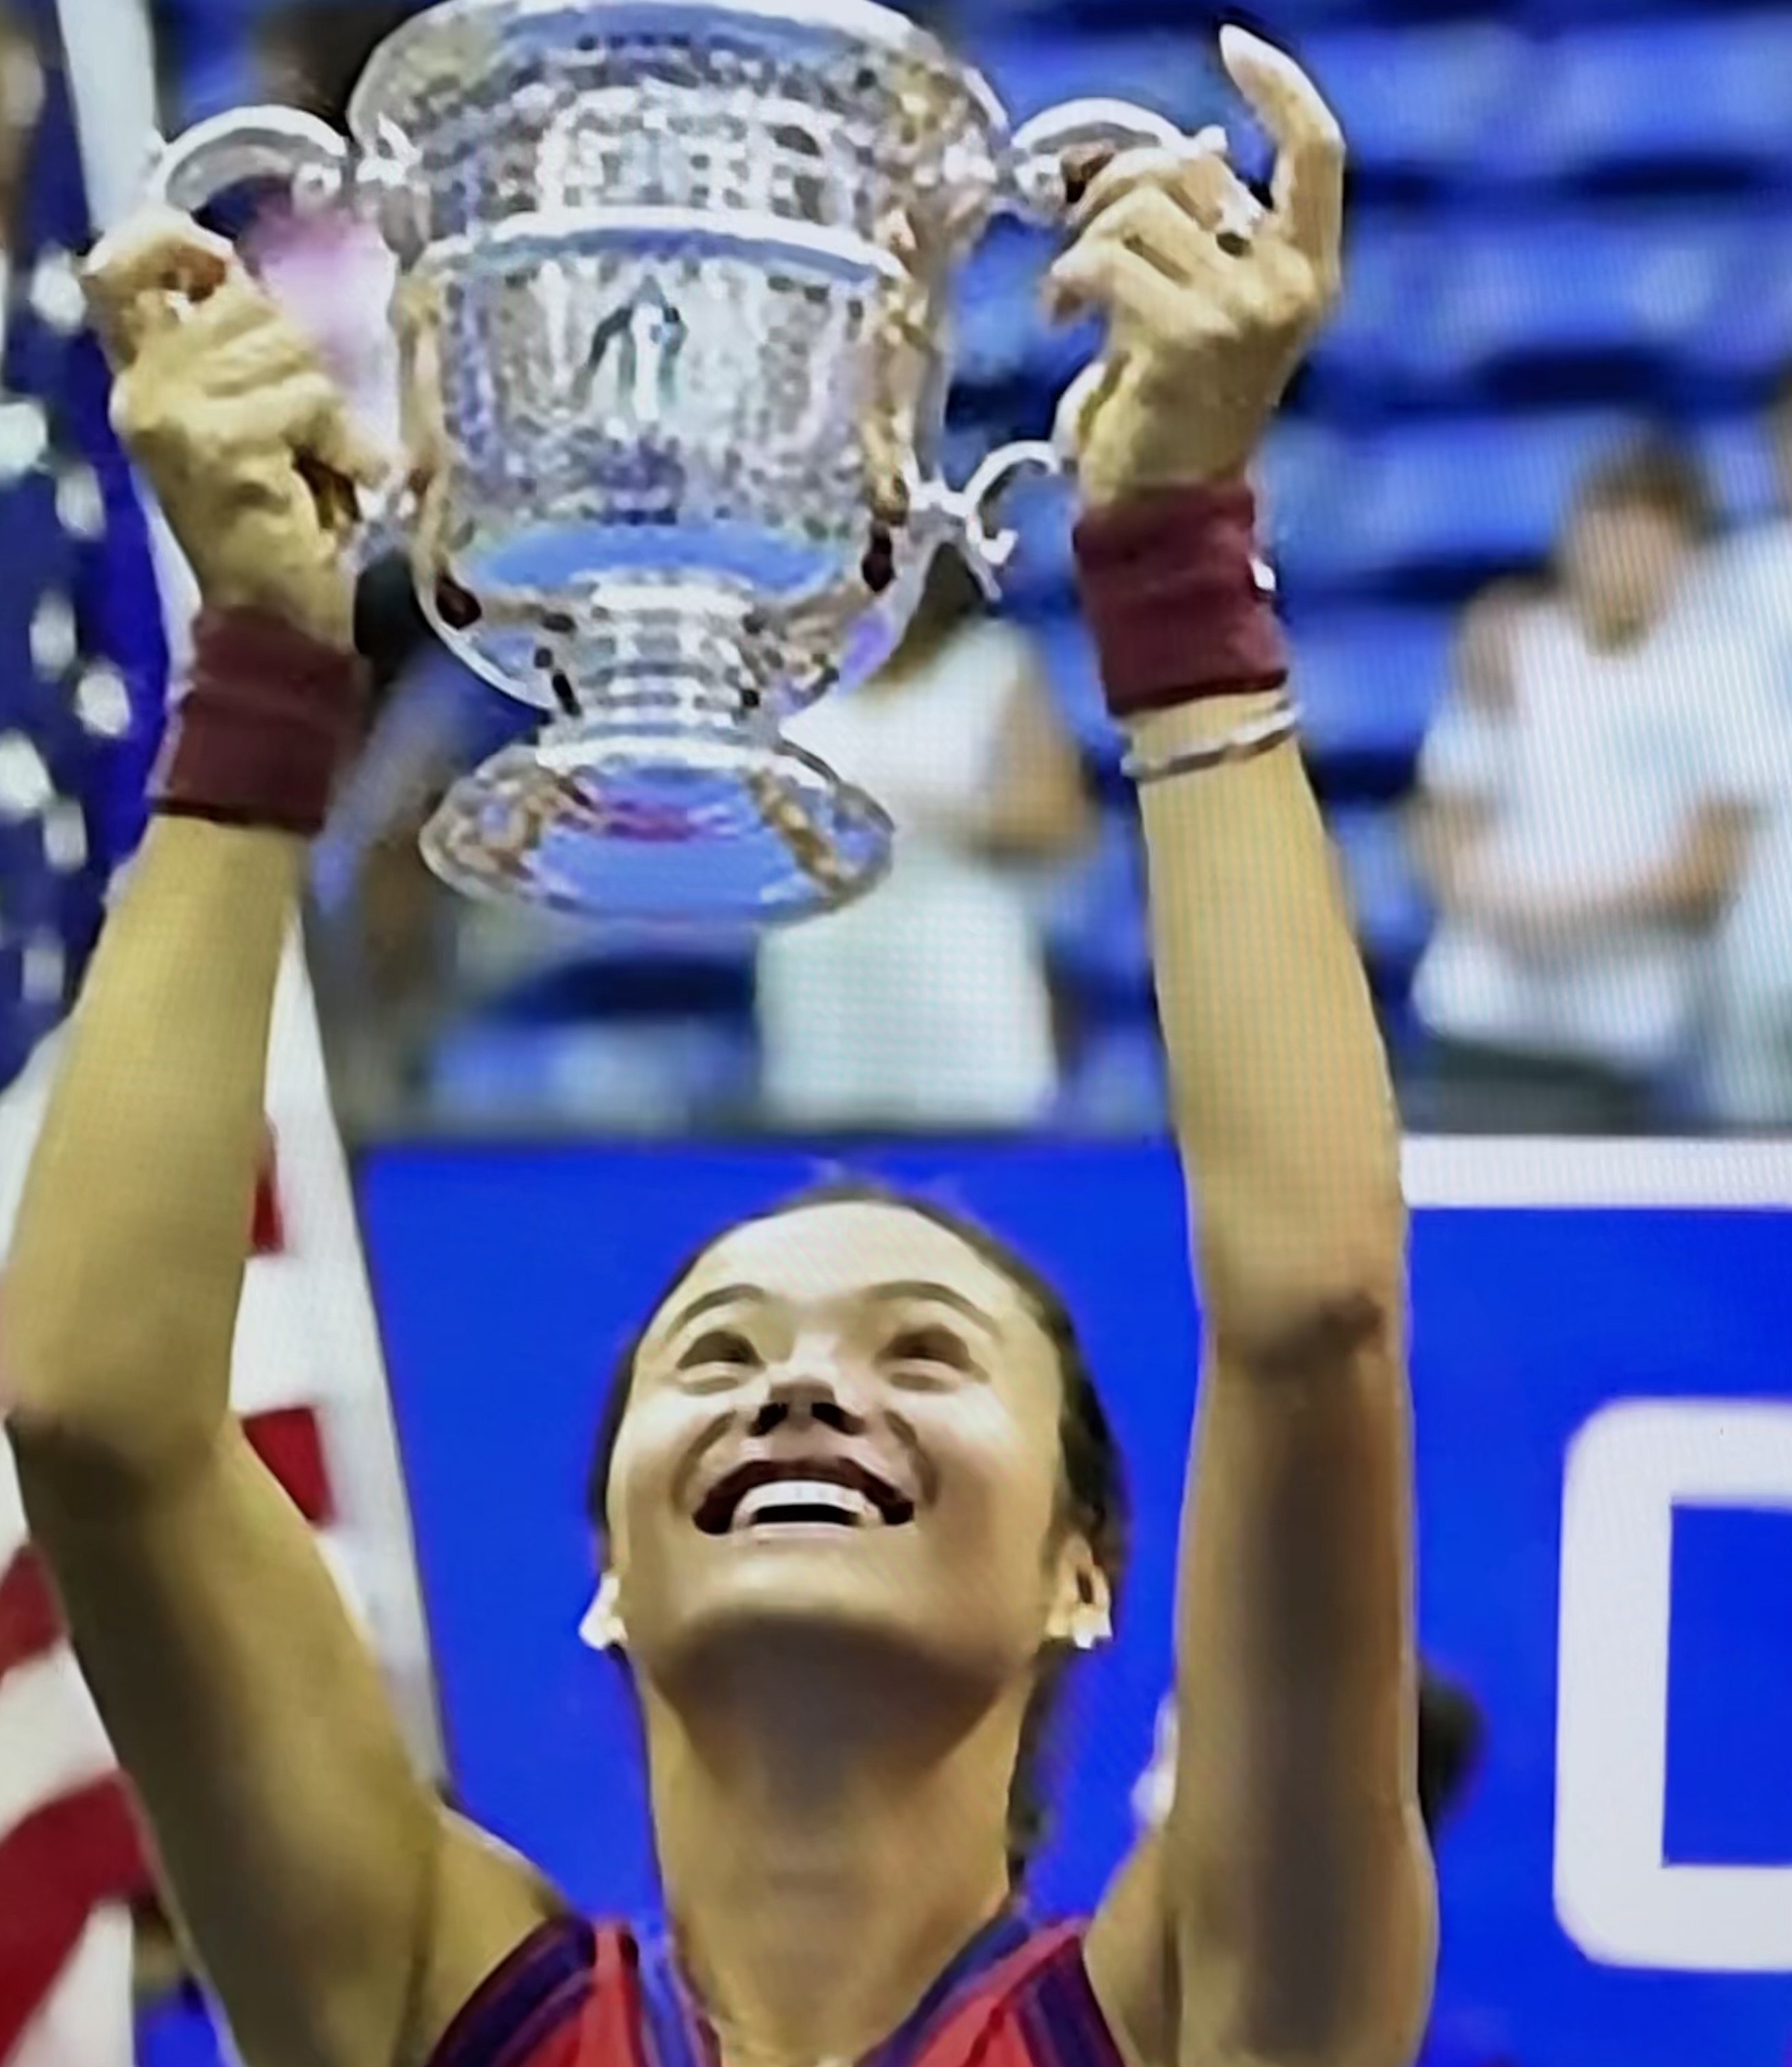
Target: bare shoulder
{"type": "Point", "coordinates": [1130, 1958]}
{"type": "Point", "coordinates": [487, 1901]}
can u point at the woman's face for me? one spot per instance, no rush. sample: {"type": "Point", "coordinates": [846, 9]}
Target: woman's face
{"type": "Point", "coordinates": [1622, 563]}
{"type": "Point", "coordinates": [845, 1422]}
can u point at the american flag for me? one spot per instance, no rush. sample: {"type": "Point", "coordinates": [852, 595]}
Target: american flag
{"type": "Point", "coordinates": [309, 1382]}
{"type": "Point", "coordinates": [83, 656]}
{"type": "Point", "coordinates": [84, 669]}
{"type": "Point", "coordinates": [70, 1848]}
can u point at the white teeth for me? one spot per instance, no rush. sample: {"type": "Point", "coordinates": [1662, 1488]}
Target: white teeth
{"type": "Point", "coordinates": [798, 1499]}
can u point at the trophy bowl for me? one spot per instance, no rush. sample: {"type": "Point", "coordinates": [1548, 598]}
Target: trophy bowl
{"type": "Point", "coordinates": [672, 298]}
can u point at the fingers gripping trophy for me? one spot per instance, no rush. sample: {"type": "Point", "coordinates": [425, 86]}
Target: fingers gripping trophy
{"type": "Point", "coordinates": [672, 279]}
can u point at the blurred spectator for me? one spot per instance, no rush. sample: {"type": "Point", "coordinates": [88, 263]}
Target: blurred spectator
{"type": "Point", "coordinates": [927, 1002]}
{"type": "Point", "coordinates": [1750, 577]}
{"type": "Point", "coordinates": [1583, 842]}
{"type": "Point", "coordinates": [1748, 597]}
{"type": "Point", "coordinates": [384, 933]}
{"type": "Point", "coordinates": [20, 92]}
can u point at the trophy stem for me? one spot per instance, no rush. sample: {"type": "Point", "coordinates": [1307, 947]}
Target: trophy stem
{"type": "Point", "coordinates": [664, 789]}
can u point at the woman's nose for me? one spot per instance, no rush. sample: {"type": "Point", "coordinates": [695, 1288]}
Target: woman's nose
{"type": "Point", "coordinates": [808, 1393]}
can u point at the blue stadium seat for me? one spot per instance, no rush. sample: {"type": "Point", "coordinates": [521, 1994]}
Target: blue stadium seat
{"type": "Point", "coordinates": [1448, 500]}
{"type": "Point", "coordinates": [1740, 465]}
{"type": "Point", "coordinates": [1521, 296]}
{"type": "Point", "coordinates": [1394, 258]}
{"type": "Point", "coordinates": [1102, 18]}
{"type": "Point", "coordinates": [1749, 341]}
{"type": "Point", "coordinates": [1169, 71]}
{"type": "Point", "coordinates": [1704, 93]}
{"type": "Point", "coordinates": [1070, 661]}
{"type": "Point", "coordinates": [1544, 16]}
{"type": "Point", "coordinates": [1393, 918]}
{"type": "Point", "coordinates": [1038, 582]}
{"type": "Point", "coordinates": [1300, 474]}
{"type": "Point", "coordinates": [1368, 683]}
{"type": "Point", "coordinates": [1116, 1082]}
{"type": "Point", "coordinates": [645, 1075]}
{"type": "Point", "coordinates": [1001, 335]}
{"type": "Point", "coordinates": [1418, 102]}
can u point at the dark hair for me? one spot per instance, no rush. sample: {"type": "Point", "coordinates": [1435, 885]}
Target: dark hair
{"type": "Point", "coordinates": [329, 44]}
{"type": "Point", "coordinates": [1452, 1731]}
{"type": "Point", "coordinates": [1655, 471]}
{"type": "Point", "coordinates": [1094, 1488]}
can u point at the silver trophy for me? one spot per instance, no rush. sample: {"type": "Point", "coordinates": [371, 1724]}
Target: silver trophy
{"type": "Point", "coordinates": [673, 295]}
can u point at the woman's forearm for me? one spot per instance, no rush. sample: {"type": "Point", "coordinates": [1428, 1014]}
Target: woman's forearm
{"type": "Point", "coordinates": [1282, 1104]}
{"type": "Point", "coordinates": [121, 1292]}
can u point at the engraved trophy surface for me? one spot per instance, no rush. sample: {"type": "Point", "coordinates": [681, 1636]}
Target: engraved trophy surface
{"type": "Point", "coordinates": [674, 281]}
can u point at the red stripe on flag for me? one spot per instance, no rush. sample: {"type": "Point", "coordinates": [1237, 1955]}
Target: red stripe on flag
{"type": "Point", "coordinates": [80, 1849]}
{"type": "Point", "coordinates": [30, 1623]}
{"type": "Point", "coordinates": [267, 1227]}
{"type": "Point", "coordinates": [290, 1442]}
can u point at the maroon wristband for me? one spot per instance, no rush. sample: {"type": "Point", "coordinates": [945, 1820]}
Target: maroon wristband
{"type": "Point", "coordinates": [1171, 591]}
{"type": "Point", "coordinates": [269, 716]}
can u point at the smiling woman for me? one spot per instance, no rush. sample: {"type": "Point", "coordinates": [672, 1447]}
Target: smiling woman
{"type": "Point", "coordinates": [931, 1332]}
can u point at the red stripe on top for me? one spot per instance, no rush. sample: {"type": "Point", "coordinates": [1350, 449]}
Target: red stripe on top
{"type": "Point", "coordinates": [612, 2030]}
{"type": "Point", "coordinates": [571, 1996]}
{"type": "Point", "coordinates": [79, 1850]}
{"type": "Point", "coordinates": [290, 1441]}
{"type": "Point", "coordinates": [978, 2030]}
{"type": "Point", "coordinates": [31, 1623]}
{"type": "Point", "coordinates": [1002, 2043]}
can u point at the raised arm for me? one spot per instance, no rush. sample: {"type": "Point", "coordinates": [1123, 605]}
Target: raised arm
{"type": "Point", "coordinates": [339, 1919]}
{"type": "Point", "coordinates": [1284, 1914]}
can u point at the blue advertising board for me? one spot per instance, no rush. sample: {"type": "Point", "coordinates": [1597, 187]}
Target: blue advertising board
{"type": "Point", "coordinates": [1604, 1414]}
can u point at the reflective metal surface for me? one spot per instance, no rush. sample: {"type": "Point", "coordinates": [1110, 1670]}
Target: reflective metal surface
{"type": "Point", "coordinates": [672, 300]}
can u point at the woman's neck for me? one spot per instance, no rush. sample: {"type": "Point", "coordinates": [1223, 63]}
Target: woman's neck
{"type": "Point", "coordinates": [784, 1861]}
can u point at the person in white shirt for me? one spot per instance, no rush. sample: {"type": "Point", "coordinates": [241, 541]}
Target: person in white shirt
{"type": "Point", "coordinates": [1584, 843]}
{"type": "Point", "coordinates": [928, 1004]}
{"type": "Point", "coordinates": [1746, 590]}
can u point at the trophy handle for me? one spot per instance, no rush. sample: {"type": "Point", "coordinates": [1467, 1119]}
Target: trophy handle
{"type": "Point", "coordinates": [1038, 180]}
{"type": "Point", "coordinates": [250, 144]}
{"type": "Point", "coordinates": [964, 515]}
{"type": "Point", "coordinates": [322, 168]}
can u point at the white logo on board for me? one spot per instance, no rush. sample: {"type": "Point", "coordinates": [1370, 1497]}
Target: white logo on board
{"type": "Point", "coordinates": [1616, 1895]}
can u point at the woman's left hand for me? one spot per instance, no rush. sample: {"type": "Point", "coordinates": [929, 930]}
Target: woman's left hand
{"type": "Point", "coordinates": [1210, 298]}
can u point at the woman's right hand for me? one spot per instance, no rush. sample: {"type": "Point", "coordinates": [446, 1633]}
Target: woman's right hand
{"type": "Point", "coordinates": [225, 406]}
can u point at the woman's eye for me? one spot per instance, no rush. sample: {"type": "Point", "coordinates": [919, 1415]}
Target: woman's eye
{"type": "Point", "coordinates": [721, 1349]}
{"type": "Point", "coordinates": [931, 1348]}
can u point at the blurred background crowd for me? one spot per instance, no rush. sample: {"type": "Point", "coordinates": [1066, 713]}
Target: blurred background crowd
{"type": "Point", "coordinates": [1529, 509]}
